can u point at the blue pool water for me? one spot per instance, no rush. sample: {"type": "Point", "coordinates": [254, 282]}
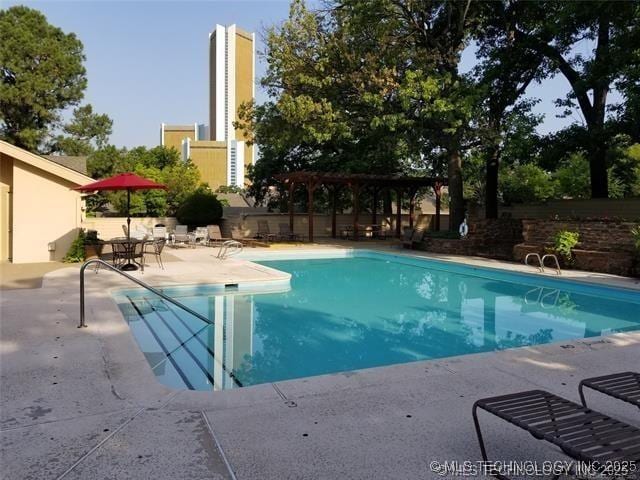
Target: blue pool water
{"type": "Point", "coordinates": [343, 314]}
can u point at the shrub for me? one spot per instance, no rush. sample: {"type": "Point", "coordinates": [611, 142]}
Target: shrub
{"type": "Point", "coordinates": [76, 251]}
{"type": "Point", "coordinates": [564, 241]}
{"type": "Point", "coordinates": [527, 183]}
{"type": "Point", "coordinates": [635, 234]}
{"type": "Point", "coordinates": [199, 209]}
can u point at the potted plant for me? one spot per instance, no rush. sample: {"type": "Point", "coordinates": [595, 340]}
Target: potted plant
{"type": "Point", "coordinates": [92, 245]}
{"type": "Point", "coordinates": [86, 245]}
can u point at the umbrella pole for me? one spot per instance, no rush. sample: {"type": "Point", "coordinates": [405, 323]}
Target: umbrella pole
{"type": "Point", "coordinates": [130, 265]}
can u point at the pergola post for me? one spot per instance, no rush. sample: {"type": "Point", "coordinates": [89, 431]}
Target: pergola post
{"type": "Point", "coordinates": [291, 188]}
{"type": "Point", "coordinates": [398, 213]}
{"type": "Point", "coordinates": [437, 190]}
{"type": "Point", "coordinates": [310, 188]}
{"type": "Point", "coordinates": [412, 206]}
{"type": "Point", "coordinates": [334, 206]}
{"type": "Point", "coordinates": [374, 209]}
{"type": "Point", "coordinates": [356, 208]}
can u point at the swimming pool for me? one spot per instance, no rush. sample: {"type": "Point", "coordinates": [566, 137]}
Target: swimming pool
{"type": "Point", "coordinates": [363, 310]}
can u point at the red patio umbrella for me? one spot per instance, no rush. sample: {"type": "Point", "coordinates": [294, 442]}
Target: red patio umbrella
{"type": "Point", "coordinates": [122, 181]}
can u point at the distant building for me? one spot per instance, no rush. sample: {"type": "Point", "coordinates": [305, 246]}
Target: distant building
{"type": "Point", "coordinates": [220, 151]}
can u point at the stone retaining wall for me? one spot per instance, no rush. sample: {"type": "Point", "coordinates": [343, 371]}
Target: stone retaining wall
{"type": "Point", "coordinates": [605, 246]}
{"type": "Point", "coordinates": [487, 238]}
{"type": "Point", "coordinates": [603, 236]}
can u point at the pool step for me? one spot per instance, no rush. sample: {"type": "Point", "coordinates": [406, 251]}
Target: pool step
{"type": "Point", "coordinates": [180, 339]}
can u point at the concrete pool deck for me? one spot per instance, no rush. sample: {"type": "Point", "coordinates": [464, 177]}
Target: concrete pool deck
{"type": "Point", "coordinates": [83, 403]}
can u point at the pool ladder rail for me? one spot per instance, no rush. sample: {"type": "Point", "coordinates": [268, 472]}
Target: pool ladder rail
{"type": "Point", "coordinates": [137, 282]}
{"type": "Point", "coordinates": [541, 261]}
{"type": "Point", "coordinates": [229, 248]}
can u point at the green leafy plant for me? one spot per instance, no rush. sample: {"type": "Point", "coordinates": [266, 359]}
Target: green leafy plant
{"type": "Point", "coordinates": [564, 241]}
{"type": "Point", "coordinates": [199, 209]}
{"type": "Point", "coordinates": [635, 234]}
{"type": "Point", "coordinates": [76, 250]}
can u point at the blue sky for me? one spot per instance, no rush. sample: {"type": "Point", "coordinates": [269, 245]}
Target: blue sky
{"type": "Point", "coordinates": [127, 45]}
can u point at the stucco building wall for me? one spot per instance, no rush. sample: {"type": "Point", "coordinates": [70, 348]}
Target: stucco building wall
{"type": "Point", "coordinates": [41, 213]}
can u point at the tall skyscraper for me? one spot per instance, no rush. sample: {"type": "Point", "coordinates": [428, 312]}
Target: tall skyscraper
{"type": "Point", "coordinates": [220, 150]}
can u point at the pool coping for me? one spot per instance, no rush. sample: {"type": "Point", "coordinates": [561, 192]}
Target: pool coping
{"type": "Point", "coordinates": [133, 378]}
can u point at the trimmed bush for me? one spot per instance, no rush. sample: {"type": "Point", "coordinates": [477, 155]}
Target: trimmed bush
{"type": "Point", "coordinates": [199, 209]}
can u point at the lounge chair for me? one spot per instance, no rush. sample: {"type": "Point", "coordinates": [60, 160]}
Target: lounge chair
{"type": "Point", "coordinates": [201, 234]}
{"type": "Point", "coordinates": [181, 235]}
{"type": "Point", "coordinates": [583, 434]}
{"type": "Point", "coordinates": [285, 233]}
{"type": "Point", "coordinates": [159, 233]}
{"type": "Point", "coordinates": [624, 386]}
{"type": "Point", "coordinates": [411, 237]}
{"type": "Point", "coordinates": [215, 235]}
{"type": "Point", "coordinates": [264, 233]}
{"type": "Point", "coordinates": [237, 235]}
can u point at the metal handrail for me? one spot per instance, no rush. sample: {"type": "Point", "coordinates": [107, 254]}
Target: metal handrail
{"type": "Point", "coordinates": [223, 251]}
{"type": "Point", "coordinates": [555, 259]}
{"type": "Point", "coordinates": [134, 280]}
{"type": "Point", "coordinates": [534, 255]}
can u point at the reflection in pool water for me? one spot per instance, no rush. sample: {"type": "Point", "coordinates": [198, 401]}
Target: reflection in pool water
{"type": "Point", "coordinates": [351, 313]}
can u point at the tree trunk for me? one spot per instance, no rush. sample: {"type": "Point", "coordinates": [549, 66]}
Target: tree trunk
{"type": "Point", "coordinates": [456, 200]}
{"type": "Point", "coordinates": [491, 188]}
{"type": "Point", "coordinates": [598, 168]}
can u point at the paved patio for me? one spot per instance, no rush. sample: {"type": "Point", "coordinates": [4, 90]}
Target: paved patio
{"type": "Point", "coordinates": [83, 403]}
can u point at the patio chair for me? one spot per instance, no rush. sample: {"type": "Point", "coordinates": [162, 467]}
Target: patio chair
{"type": "Point", "coordinates": [125, 230]}
{"type": "Point", "coordinates": [140, 232]}
{"type": "Point", "coordinates": [215, 235]}
{"type": "Point", "coordinates": [159, 233]}
{"type": "Point", "coordinates": [583, 434]}
{"type": "Point", "coordinates": [411, 237]}
{"type": "Point", "coordinates": [264, 233]}
{"type": "Point", "coordinates": [201, 234]}
{"type": "Point", "coordinates": [137, 252]}
{"type": "Point", "coordinates": [237, 235]}
{"type": "Point", "coordinates": [155, 248]}
{"type": "Point", "coordinates": [285, 233]}
{"type": "Point", "coordinates": [624, 386]}
{"type": "Point", "coordinates": [181, 235]}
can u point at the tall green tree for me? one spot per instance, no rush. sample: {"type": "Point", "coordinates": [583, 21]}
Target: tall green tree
{"type": "Point", "coordinates": [41, 74]}
{"type": "Point", "coordinates": [554, 29]}
{"type": "Point", "coordinates": [86, 132]}
{"type": "Point", "coordinates": [430, 35]}
{"type": "Point", "coordinates": [333, 106]}
{"type": "Point", "coordinates": [504, 73]}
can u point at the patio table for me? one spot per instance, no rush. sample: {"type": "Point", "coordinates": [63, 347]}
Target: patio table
{"type": "Point", "coordinates": [129, 245]}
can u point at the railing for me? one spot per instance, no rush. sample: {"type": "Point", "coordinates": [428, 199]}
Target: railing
{"type": "Point", "coordinates": [224, 252]}
{"type": "Point", "coordinates": [134, 280]}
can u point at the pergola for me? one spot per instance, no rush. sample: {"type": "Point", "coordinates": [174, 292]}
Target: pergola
{"type": "Point", "coordinates": [356, 182]}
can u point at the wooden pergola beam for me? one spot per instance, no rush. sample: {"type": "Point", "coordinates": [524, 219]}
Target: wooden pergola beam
{"type": "Point", "coordinates": [356, 181]}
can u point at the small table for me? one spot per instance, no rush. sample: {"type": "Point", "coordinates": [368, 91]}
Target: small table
{"type": "Point", "coordinates": [129, 245]}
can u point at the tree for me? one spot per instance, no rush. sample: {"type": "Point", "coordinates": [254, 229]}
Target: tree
{"type": "Point", "coordinates": [41, 73]}
{"type": "Point", "coordinates": [526, 184]}
{"type": "Point", "coordinates": [438, 99]}
{"type": "Point", "coordinates": [86, 132]}
{"type": "Point", "coordinates": [160, 164]}
{"type": "Point", "coordinates": [554, 29]}
{"type": "Point", "coordinates": [504, 75]}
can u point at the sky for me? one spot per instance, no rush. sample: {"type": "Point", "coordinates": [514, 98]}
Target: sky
{"type": "Point", "coordinates": [147, 61]}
